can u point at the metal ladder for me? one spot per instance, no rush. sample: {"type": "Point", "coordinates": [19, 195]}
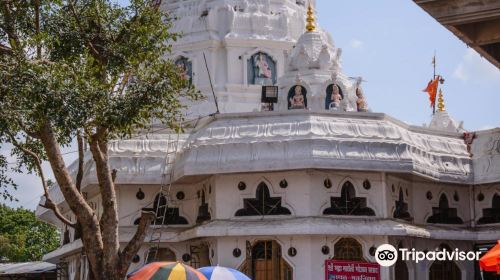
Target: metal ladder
{"type": "Point", "coordinates": [164, 196]}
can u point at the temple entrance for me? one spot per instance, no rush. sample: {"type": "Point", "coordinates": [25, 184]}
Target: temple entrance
{"type": "Point", "coordinates": [401, 270]}
{"type": "Point", "coordinates": [265, 262]}
{"type": "Point", "coordinates": [200, 255]}
{"type": "Point", "coordinates": [444, 270]}
{"type": "Point", "coordinates": [348, 249]}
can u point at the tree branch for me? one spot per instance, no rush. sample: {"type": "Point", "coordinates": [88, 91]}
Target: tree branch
{"type": "Point", "coordinates": [49, 203]}
{"type": "Point", "coordinates": [10, 25]}
{"type": "Point", "coordinates": [77, 19]}
{"type": "Point", "coordinates": [79, 175]}
{"type": "Point", "coordinates": [135, 243]}
{"type": "Point", "coordinates": [6, 50]}
{"type": "Point", "coordinates": [109, 219]}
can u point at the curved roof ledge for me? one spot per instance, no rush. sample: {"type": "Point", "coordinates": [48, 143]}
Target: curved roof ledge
{"type": "Point", "coordinates": [274, 141]}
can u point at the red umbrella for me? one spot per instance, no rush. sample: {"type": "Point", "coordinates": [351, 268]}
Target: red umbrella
{"type": "Point", "coordinates": [491, 260]}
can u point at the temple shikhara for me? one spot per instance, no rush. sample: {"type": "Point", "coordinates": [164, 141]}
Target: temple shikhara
{"type": "Point", "coordinates": [284, 164]}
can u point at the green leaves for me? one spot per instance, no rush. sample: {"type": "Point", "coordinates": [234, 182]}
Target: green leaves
{"type": "Point", "coordinates": [24, 238]}
{"type": "Point", "coordinates": [99, 65]}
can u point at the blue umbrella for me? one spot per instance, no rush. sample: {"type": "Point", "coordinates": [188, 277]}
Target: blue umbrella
{"type": "Point", "coordinates": [222, 273]}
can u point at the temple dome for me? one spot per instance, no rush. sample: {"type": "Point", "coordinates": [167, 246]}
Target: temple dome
{"type": "Point", "coordinates": [314, 50]}
{"type": "Point", "coordinates": [444, 122]}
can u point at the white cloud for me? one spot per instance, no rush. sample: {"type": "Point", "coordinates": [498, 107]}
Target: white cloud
{"type": "Point", "coordinates": [476, 69]}
{"type": "Point", "coordinates": [356, 44]}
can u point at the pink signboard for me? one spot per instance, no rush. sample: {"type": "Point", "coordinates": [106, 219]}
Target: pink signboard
{"type": "Point", "coordinates": [351, 270]}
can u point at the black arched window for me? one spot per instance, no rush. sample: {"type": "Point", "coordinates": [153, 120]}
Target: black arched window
{"type": "Point", "coordinates": [491, 215]}
{"type": "Point", "coordinates": [263, 204]}
{"type": "Point", "coordinates": [203, 213]}
{"type": "Point", "coordinates": [166, 215]}
{"type": "Point", "coordinates": [401, 209]}
{"type": "Point", "coordinates": [444, 214]}
{"type": "Point", "coordinates": [348, 203]}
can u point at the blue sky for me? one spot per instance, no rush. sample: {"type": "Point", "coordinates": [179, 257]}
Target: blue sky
{"type": "Point", "coordinates": [390, 43]}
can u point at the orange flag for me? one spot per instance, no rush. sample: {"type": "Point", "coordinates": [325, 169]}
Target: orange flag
{"type": "Point", "coordinates": [431, 90]}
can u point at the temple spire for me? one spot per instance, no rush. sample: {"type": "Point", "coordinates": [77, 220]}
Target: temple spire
{"type": "Point", "coordinates": [311, 26]}
{"type": "Point", "coordinates": [440, 101]}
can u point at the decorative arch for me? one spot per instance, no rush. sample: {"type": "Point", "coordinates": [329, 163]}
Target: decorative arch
{"type": "Point", "coordinates": [348, 204]}
{"type": "Point", "coordinates": [167, 215]}
{"type": "Point", "coordinates": [261, 69]}
{"type": "Point", "coordinates": [443, 214]}
{"type": "Point", "coordinates": [348, 249]}
{"type": "Point", "coordinates": [263, 204]}
{"type": "Point", "coordinates": [491, 215]}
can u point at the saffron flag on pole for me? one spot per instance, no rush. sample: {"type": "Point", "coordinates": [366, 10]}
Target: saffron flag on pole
{"type": "Point", "coordinates": [431, 90]}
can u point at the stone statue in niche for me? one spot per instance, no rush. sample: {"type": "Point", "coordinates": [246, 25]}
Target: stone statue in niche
{"type": "Point", "coordinates": [262, 67]}
{"type": "Point", "coordinates": [261, 70]}
{"type": "Point", "coordinates": [297, 97]}
{"type": "Point", "coordinates": [333, 97]}
{"type": "Point", "coordinates": [361, 104]}
{"type": "Point", "coordinates": [186, 68]}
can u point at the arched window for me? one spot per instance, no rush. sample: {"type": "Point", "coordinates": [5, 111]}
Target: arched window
{"type": "Point", "coordinates": [491, 215]}
{"type": "Point", "coordinates": [263, 204]}
{"type": "Point", "coordinates": [444, 214]}
{"type": "Point", "coordinates": [448, 270]}
{"type": "Point", "coordinates": [348, 249]}
{"type": "Point", "coordinates": [166, 215]}
{"type": "Point", "coordinates": [160, 255]}
{"type": "Point", "coordinates": [261, 70]}
{"type": "Point", "coordinates": [401, 209]}
{"type": "Point", "coordinates": [203, 213]}
{"type": "Point", "coordinates": [297, 97]}
{"type": "Point", "coordinates": [185, 67]}
{"type": "Point", "coordinates": [66, 238]}
{"type": "Point", "coordinates": [348, 203]}
{"type": "Point", "coordinates": [264, 261]}
{"type": "Point", "coordinates": [333, 97]}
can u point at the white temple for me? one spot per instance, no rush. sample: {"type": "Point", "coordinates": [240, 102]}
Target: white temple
{"type": "Point", "coordinates": [275, 190]}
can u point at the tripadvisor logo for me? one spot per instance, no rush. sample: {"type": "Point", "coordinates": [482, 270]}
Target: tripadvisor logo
{"type": "Point", "coordinates": [387, 255]}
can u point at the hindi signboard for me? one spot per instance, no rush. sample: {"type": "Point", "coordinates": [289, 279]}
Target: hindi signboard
{"type": "Point", "coordinates": [351, 270]}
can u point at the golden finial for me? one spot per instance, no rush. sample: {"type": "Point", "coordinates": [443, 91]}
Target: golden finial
{"type": "Point", "coordinates": [440, 101]}
{"type": "Point", "coordinates": [310, 27]}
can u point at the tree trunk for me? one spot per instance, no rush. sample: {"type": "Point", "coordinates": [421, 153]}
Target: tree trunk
{"type": "Point", "coordinates": [91, 235]}
{"type": "Point", "coordinates": [99, 237]}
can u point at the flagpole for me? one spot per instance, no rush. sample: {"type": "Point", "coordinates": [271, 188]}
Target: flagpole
{"type": "Point", "coordinates": [434, 77]}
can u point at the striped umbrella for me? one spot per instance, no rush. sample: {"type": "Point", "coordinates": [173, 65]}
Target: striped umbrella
{"type": "Point", "coordinates": [166, 271]}
{"type": "Point", "coordinates": [222, 273]}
